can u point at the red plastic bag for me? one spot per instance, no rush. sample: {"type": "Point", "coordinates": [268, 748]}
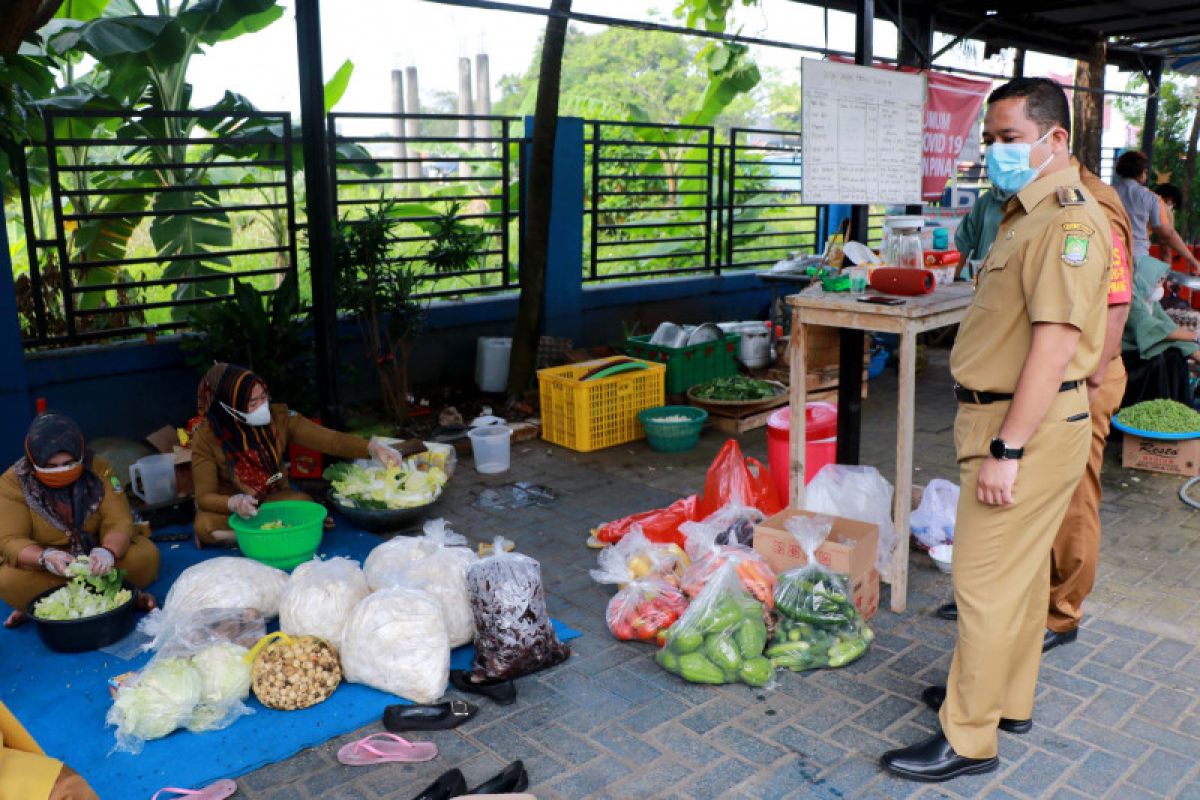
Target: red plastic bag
{"type": "Point", "coordinates": [734, 478]}
{"type": "Point", "coordinates": [660, 525]}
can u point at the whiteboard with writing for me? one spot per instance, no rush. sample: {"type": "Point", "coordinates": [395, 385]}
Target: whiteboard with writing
{"type": "Point", "coordinates": [861, 134]}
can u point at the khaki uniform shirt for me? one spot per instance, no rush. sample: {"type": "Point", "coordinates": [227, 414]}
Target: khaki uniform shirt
{"type": "Point", "coordinates": [1050, 263]}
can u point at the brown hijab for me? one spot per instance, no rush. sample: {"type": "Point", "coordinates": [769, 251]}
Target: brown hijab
{"type": "Point", "coordinates": [68, 507]}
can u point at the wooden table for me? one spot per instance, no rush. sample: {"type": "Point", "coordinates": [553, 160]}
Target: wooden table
{"type": "Point", "coordinates": [944, 307]}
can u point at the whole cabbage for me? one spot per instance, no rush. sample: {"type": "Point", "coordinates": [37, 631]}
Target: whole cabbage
{"type": "Point", "coordinates": [319, 597]}
{"type": "Point", "coordinates": [396, 642]}
{"type": "Point", "coordinates": [155, 702]}
{"type": "Point", "coordinates": [227, 582]}
{"type": "Point", "coordinates": [443, 574]}
{"type": "Point", "coordinates": [224, 674]}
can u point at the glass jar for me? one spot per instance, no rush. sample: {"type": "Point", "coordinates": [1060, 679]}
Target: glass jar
{"type": "Point", "coordinates": [909, 252]}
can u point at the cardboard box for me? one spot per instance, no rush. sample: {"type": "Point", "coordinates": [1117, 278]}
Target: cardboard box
{"type": "Point", "coordinates": [849, 549]}
{"type": "Point", "coordinates": [184, 485]}
{"type": "Point", "coordinates": [1174, 457]}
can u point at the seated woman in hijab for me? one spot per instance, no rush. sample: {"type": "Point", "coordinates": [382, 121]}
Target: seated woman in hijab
{"type": "Point", "coordinates": [238, 451]}
{"type": "Point", "coordinates": [1156, 350]}
{"type": "Point", "coordinates": [57, 503]}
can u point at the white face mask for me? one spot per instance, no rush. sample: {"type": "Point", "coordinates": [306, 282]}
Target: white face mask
{"type": "Point", "coordinates": [258, 417]}
{"type": "Point", "coordinates": [1157, 294]}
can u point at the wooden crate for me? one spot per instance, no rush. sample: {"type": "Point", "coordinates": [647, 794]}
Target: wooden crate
{"type": "Point", "coordinates": [733, 423]}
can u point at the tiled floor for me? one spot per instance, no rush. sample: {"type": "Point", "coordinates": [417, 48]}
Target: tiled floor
{"type": "Point", "coordinates": [1117, 713]}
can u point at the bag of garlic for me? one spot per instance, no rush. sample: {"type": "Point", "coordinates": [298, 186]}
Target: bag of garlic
{"type": "Point", "coordinates": [396, 641]}
{"type": "Point", "coordinates": [442, 572]}
{"type": "Point", "coordinates": [513, 632]}
{"type": "Point", "coordinates": [319, 597]}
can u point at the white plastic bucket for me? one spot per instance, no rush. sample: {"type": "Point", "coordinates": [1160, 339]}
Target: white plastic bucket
{"type": "Point", "coordinates": [754, 348]}
{"type": "Point", "coordinates": [490, 446]}
{"type": "Point", "coordinates": [491, 363]}
{"type": "Point", "coordinates": [153, 478]}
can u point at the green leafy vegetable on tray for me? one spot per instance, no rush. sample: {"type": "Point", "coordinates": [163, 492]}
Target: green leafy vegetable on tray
{"type": "Point", "coordinates": [1160, 416]}
{"type": "Point", "coordinates": [407, 486]}
{"type": "Point", "coordinates": [734, 388]}
{"type": "Point", "coordinates": [85, 595]}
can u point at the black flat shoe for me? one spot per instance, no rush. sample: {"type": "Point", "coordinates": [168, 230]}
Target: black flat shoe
{"type": "Point", "coordinates": [502, 692]}
{"type": "Point", "coordinates": [934, 761]}
{"type": "Point", "coordinates": [509, 780]}
{"type": "Point", "coordinates": [1053, 638]}
{"type": "Point", "coordinates": [437, 717]}
{"type": "Point", "coordinates": [934, 696]}
{"type": "Point", "coordinates": [450, 784]}
{"type": "Point", "coordinates": [948, 611]}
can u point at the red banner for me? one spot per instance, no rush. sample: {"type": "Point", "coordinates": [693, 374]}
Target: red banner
{"type": "Point", "coordinates": [951, 107]}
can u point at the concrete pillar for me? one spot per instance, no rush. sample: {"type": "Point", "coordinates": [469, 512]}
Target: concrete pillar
{"type": "Point", "coordinates": [466, 106]}
{"type": "Point", "coordinates": [412, 125]}
{"type": "Point", "coordinates": [400, 168]}
{"type": "Point", "coordinates": [483, 99]}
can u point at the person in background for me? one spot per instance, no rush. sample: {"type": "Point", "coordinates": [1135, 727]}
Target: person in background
{"type": "Point", "coordinates": [238, 451]}
{"type": "Point", "coordinates": [1155, 349]}
{"type": "Point", "coordinates": [977, 231]}
{"type": "Point", "coordinates": [57, 503]}
{"type": "Point", "coordinates": [1171, 198]}
{"type": "Point", "coordinates": [1032, 337]}
{"type": "Point", "coordinates": [1145, 211]}
{"type": "Point", "coordinates": [27, 773]}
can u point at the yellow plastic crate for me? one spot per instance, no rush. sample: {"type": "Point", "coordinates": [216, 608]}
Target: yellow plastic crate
{"type": "Point", "coordinates": [591, 415]}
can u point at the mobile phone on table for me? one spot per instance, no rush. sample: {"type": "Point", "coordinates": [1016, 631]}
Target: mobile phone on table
{"type": "Point", "coordinates": [882, 301]}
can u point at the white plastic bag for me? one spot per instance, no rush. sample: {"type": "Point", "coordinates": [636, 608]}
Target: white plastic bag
{"type": "Point", "coordinates": [396, 642]}
{"type": "Point", "coordinates": [859, 493]}
{"type": "Point", "coordinates": [319, 597]}
{"type": "Point", "coordinates": [635, 557]}
{"type": "Point", "coordinates": [933, 521]}
{"type": "Point", "coordinates": [731, 524]}
{"type": "Point", "coordinates": [227, 582]}
{"type": "Point", "coordinates": [443, 574]}
{"type": "Point", "coordinates": [386, 560]}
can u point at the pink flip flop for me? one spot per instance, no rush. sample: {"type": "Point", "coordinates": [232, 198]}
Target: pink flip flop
{"type": "Point", "coordinates": [214, 791]}
{"type": "Point", "coordinates": [380, 748]}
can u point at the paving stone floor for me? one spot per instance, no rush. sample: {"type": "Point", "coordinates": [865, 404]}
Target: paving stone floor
{"type": "Point", "coordinates": [1117, 712]}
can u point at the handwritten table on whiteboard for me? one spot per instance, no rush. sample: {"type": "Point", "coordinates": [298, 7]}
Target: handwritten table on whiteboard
{"type": "Point", "coordinates": [862, 130]}
{"type": "Point", "coordinates": [928, 312]}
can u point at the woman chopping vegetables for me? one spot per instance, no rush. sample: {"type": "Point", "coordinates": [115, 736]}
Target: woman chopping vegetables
{"type": "Point", "coordinates": [237, 452]}
{"type": "Point", "coordinates": [59, 502]}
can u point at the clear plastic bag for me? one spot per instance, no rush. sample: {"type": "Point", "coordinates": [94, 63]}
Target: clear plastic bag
{"type": "Point", "coordinates": [635, 558]}
{"type": "Point", "coordinates": [708, 557]}
{"type": "Point", "coordinates": [643, 609]}
{"type": "Point", "coordinates": [387, 560]}
{"type": "Point", "coordinates": [933, 521]}
{"type": "Point", "coordinates": [818, 623]}
{"type": "Point", "coordinates": [227, 582]}
{"type": "Point", "coordinates": [395, 641]}
{"type": "Point", "coordinates": [319, 597]}
{"type": "Point", "coordinates": [731, 524]}
{"type": "Point", "coordinates": [859, 493]}
{"type": "Point", "coordinates": [721, 636]}
{"type": "Point", "coordinates": [513, 632]}
{"type": "Point", "coordinates": [185, 634]}
{"type": "Point", "coordinates": [442, 572]}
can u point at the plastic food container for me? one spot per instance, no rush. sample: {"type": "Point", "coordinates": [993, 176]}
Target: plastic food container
{"type": "Point", "coordinates": [281, 547]}
{"type": "Point", "coordinates": [942, 556]}
{"type": "Point", "coordinates": [820, 446]}
{"type": "Point", "coordinates": [491, 445]}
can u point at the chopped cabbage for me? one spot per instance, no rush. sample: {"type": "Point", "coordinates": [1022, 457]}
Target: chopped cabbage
{"type": "Point", "coordinates": [319, 597]}
{"type": "Point", "coordinates": [227, 582]}
{"type": "Point", "coordinates": [409, 485]}
{"type": "Point", "coordinates": [387, 559]}
{"type": "Point", "coordinates": [396, 642]}
{"type": "Point", "coordinates": [441, 570]}
{"type": "Point", "coordinates": [85, 594]}
{"type": "Point", "coordinates": [156, 702]}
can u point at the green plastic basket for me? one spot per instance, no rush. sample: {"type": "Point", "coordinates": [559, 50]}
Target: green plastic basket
{"type": "Point", "coordinates": [690, 365]}
{"type": "Point", "coordinates": [285, 547]}
{"type": "Point", "coordinates": [673, 437]}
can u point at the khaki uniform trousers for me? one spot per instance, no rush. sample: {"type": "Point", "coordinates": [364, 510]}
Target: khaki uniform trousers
{"type": "Point", "coordinates": [208, 521]}
{"type": "Point", "coordinates": [19, 586]}
{"type": "Point", "coordinates": [1002, 568]}
{"type": "Point", "coordinates": [1077, 546]}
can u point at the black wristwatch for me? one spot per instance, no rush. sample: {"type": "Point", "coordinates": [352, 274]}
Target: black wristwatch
{"type": "Point", "coordinates": [1001, 451]}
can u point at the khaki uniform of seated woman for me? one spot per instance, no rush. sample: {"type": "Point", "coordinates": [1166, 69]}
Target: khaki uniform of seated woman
{"type": "Point", "coordinates": [59, 502]}
{"type": "Point", "coordinates": [238, 451]}
{"type": "Point", "coordinates": [26, 773]}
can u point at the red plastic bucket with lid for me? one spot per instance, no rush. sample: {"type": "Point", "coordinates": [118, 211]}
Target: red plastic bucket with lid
{"type": "Point", "coordinates": [820, 443]}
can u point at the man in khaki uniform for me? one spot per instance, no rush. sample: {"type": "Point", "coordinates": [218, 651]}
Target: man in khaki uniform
{"type": "Point", "coordinates": [1031, 338]}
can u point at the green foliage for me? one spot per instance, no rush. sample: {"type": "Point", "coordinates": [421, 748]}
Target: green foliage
{"type": "Point", "coordinates": [266, 333]}
{"type": "Point", "coordinates": [336, 86]}
{"type": "Point", "coordinates": [454, 245]}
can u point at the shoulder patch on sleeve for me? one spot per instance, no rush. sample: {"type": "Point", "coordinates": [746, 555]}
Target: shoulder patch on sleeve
{"type": "Point", "coordinates": [1075, 249]}
{"type": "Point", "coordinates": [1077, 227]}
{"type": "Point", "coordinates": [1070, 196]}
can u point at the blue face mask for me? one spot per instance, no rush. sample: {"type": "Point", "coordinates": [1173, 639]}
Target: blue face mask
{"type": "Point", "coordinates": [1008, 165]}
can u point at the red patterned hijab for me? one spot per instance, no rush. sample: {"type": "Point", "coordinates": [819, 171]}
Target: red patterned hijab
{"type": "Point", "coordinates": [251, 451]}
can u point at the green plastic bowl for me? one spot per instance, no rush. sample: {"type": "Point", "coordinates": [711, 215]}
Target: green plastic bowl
{"type": "Point", "coordinates": [673, 437]}
{"type": "Point", "coordinates": [285, 547]}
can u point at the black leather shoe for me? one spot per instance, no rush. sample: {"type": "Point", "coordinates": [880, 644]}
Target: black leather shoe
{"type": "Point", "coordinates": [1053, 638]}
{"type": "Point", "coordinates": [509, 780]}
{"type": "Point", "coordinates": [948, 611]}
{"type": "Point", "coordinates": [933, 761]}
{"type": "Point", "coordinates": [437, 717]}
{"type": "Point", "coordinates": [934, 696]}
{"type": "Point", "coordinates": [450, 784]}
{"type": "Point", "coordinates": [503, 692]}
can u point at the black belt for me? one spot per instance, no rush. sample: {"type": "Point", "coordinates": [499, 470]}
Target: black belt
{"type": "Point", "coordinates": [964, 395]}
